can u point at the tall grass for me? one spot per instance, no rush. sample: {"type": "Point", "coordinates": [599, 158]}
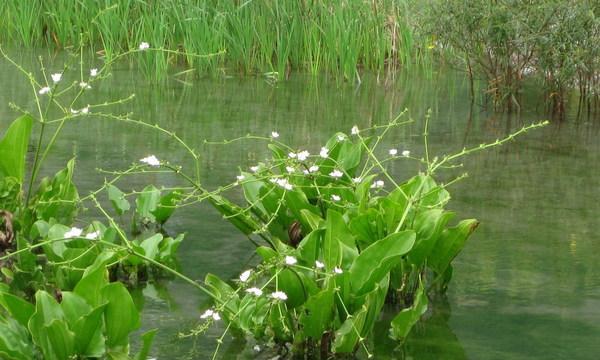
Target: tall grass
{"type": "Point", "coordinates": [252, 36]}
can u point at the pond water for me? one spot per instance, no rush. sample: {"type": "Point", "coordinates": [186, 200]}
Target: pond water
{"type": "Point", "coordinates": [527, 285]}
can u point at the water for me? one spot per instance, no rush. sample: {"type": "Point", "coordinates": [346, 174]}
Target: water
{"type": "Point", "coordinates": [527, 285]}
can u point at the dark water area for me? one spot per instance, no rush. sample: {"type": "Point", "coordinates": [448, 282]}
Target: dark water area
{"type": "Point", "coordinates": [527, 285]}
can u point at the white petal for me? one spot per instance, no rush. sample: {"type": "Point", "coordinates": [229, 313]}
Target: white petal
{"type": "Point", "coordinates": [151, 160]}
{"type": "Point", "coordinates": [56, 77]}
{"type": "Point", "coordinates": [274, 134]}
{"type": "Point", "coordinates": [290, 260]}
{"type": "Point", "coordinates": [245, 275]}
{"type": "Point", "coordinates": [73, 232]}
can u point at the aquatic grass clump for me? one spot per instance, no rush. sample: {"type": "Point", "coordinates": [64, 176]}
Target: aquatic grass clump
{"type": "Point", "coordinates": [275, 37]}
{"type": "Point", "coordinates": [342, 236]}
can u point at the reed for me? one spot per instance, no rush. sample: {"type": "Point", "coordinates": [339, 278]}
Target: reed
{"type": "Point", "coordinates": [253, 37]}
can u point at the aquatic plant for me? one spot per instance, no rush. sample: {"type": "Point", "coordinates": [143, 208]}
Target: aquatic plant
{"type": "Point", "coordinates": [338, 242]}
{"type": "Point", "coordinates": [273, 37]}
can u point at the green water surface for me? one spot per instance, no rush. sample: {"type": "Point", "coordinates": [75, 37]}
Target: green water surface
{"type": "Point", "coordinates": [527, 285]}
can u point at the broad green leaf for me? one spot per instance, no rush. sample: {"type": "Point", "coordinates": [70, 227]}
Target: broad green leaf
{"type": "Point", "coordinates": [18, 308]}
{"type": "Point", "coordinates": [151, 245]}
{"type": "Point", "coordinates": [365, 227]}
{"type": "Point", "coordinates": [147, 339]}
{"type": "Point", "coordinates": [266, 253]}
{"type": "Point", "coordinates": [309, 247]}
{"type": "Point", "coordinates": [291, 283]}
{"type": "Point", "coordinates": [121, 317]}
{"type": "Point", "coordinates": [166, 206]}
{"type": "Point", "coordinates": [347, 336]}
{"type": "Point", "coordinates": [450, 244]}
{"type": "Point", "coordinates": [223, 292]}
{"type": "Point", "coordinates": [58, 198]}
{"type": "Point", "coordinates": [49, 329]}
{"type": "Point", "coordinates": [428, 224]}
{"type": "Point", "coordinates": [312, 220]}
{"type": "Point", "coordinates": [332, 249]}
{"type": "Point", "coordinates": [407, 318]}
{"type": "Point", "coordinates": [234, 214]}
{"type": "Point", "coordinates": [297, 203]}
{"type": "Point", "coordinates": [374, 300]}
{"type": "Point", "coordinates": [89, 287]}
{"type": "Point", "coordinates": [89, 340]}
{"type": "Point", "coordinates": [74, 306]}
{"type": "Point", "coordinates": [252, 188]}
{"type": "Point", "coordinates": [147, 202]}
{"type": "Point", "coordinates": [13, 148]}
{"type": "Point", "coordinates": [317, 313]}
{"type": "Point", "coordinates": [377, 260]}
{"type": "Point", "coordinates": [118, 200]}
{"type": "Point", "coordinates": [15, 343]}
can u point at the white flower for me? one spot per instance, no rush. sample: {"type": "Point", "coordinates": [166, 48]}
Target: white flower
{"type": "Point", "coordinates": [279, 295]}
{"type": "Point", "coordinates": [357, 180]}
{"type": "Point", "coordinates": [393, 152]}
{"type": "Point", "coordinates": [73, 232]}
{"type": "Point", "coordinates": [240, 177]}
{"type": "Point", "coordinates": [292, 155]}
{"type": "Point", "coordinates": [245, 275]}
{"type": "Point", "coordinates": [254, 168]}
{"type": "Point", "coordinates": [354, 130]}
{"type": "Point", "coordinates": [303, 155]}
{"type": "Point", "coordinates": [73, 111]}
{"type": "Point", "coordinates": [44, 90]}
{"type": "Point", "coordinates": [341, 137]}
{"type": "Point", "coordinates": [85, 110]}
{"type": "Point", "coordinates": [254, 291]}
{"type": "Point", "coordinates": [406, 153]}
{"type": "Point", "coordinates": [337, 270]}
{"type": "Point", "coordinates": [313, 169]}
{"type": "Point", "coordinates": [144, 45]}
{"type": "Point", "coordinates": [319, 265]}
{"type": "Point", "coordinates": [84, 85]}
{"type": "Point", "coordinates": [93, 72]}
{"type": "Point", "coordinates": [377, 184]}
{"type": "Point", "coordinates": [151, 160]}
{"type": "Point", "coordinates": [93, 235]}
{"type": "Point", "coordinates": [290, 260]}
{"type": "Point", "coordinates": [274, 134]}
{"type": "Point", "coordinates": [284, 184]}
{"type": "Point", "coordinates": [56, 77]}
{"type": "Point", "coordinates": [324, 153]}
{"type": "Point", "coordinates": [335, 197]}
{"type": "Point", "coordinates": [305, 172]}
{"type": "Point", "coordinates": [290, 169]}
{"type": "Point", "coordinates": [209, 313]}
{"type": "Point", "coordinates": [336, 174]}
{"type": "Point", "coordinates": [256, 348]}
